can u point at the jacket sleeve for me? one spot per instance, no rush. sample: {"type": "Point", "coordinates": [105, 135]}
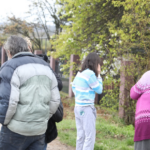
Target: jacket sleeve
{"type": "Point", "coordinates": [140, 87]}
{"type": "Point", "coordinates": [96, 83]}
{"type": "Point", "coordinates": [135, 93]}
{"type": "Point", "coordinates": [55, 96]}
{"type": "Point", "coordinates": [14, 97]}
{"type": "Point", "coordinates": [58, 116]}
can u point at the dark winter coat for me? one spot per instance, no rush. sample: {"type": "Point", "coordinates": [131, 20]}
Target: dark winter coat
{"type": "Point", "coordinates": [51, 132]}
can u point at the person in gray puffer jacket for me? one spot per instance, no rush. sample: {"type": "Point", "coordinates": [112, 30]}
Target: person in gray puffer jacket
{"type": "Point", "coordinates": [29, 96]}
{"type": "Point", "coordinates": [51, 132]}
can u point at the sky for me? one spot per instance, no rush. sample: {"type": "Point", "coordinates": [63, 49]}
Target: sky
{"type": "Point", "coordinates": [16, 7]}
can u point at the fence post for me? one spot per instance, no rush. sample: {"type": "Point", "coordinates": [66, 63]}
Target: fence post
{"type": "Point", "coordinates": [127, 80]}
{"type": "Point", "coordinates": [52, 63]}
{"type": "Point", "coordinates": [38, 52]}
{"type": "Point", "coordinates": [73, 59]}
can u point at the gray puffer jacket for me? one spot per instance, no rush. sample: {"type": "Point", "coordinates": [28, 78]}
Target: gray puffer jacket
{"type": "Point", "coordinates": [29, 95]}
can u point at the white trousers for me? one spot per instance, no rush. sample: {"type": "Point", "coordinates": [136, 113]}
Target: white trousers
{"type": "Point", "coordinates": [85, 123]}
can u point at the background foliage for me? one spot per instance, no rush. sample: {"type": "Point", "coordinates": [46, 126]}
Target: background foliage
{"type": "Point", "coordinates": [117, 30]}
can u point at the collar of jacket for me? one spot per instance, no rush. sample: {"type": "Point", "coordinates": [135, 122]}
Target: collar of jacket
{"type": "Point", "coordinates": [23, 54]}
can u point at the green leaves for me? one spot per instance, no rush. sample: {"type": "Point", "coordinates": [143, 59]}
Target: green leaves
{"type": "Point", "coordinates": [114, 29]}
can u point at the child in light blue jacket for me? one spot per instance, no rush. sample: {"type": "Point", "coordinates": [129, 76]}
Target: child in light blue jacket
{"type": "Point", "coordinates": [85, 85]}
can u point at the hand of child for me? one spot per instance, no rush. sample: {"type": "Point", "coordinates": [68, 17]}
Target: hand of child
{"type": "Point", "coordinates": [99, 69]}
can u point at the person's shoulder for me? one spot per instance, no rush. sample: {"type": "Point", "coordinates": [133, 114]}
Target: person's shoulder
{"type": "Point", "coordinates": [89, 72]}
{"type": "Point", "coordinates": [146, 73]}
{"type": "Point", "coordinates": [8, 63]}
{"type": "Point", "coordinates": [20, 61]}
{"type": "Point", "coordinates": [144, 80]}
{"type": "Point", "coordinates": [7, 68]}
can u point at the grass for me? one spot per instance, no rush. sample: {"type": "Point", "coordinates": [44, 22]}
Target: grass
{"type": "Point", "coordinates": [111, 132]}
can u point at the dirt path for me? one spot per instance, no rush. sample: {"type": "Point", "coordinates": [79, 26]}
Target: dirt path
{"type": "Point", "coordinates": [57, 145]}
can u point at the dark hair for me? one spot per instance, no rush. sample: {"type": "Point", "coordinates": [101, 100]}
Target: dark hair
{"type": "Point", "coordinates": [43, 56]}
{"type": "Point", "coordinates": [91, 62]}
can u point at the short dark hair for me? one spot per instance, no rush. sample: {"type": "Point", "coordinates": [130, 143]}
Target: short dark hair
{"type": "Point", "coordinates": [91, 62]}
{"type": "Point", "coordinates": [16, 44]}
